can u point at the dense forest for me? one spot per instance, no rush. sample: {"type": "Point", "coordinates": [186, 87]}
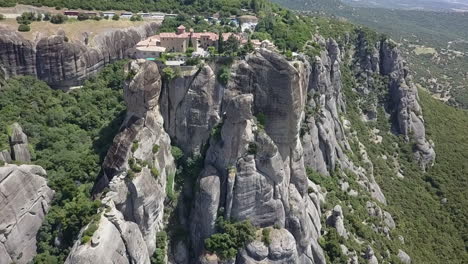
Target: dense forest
{"type": "Point", "coordinates": [176, 6]}
{"type": "Point", "coordinates": [69, 134]}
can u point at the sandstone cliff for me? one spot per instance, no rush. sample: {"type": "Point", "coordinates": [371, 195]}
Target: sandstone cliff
{"type": "Point", "coordinates": [63, 64]}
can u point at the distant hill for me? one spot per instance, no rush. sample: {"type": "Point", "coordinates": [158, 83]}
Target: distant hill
{"type": "Point", "coordinates": [432, 5]}
{"type": "Point", "coordinates": [443, 71]}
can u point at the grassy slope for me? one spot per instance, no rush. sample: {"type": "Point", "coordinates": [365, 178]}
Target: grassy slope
{"type": "Point", "coordinates": [433, 231]}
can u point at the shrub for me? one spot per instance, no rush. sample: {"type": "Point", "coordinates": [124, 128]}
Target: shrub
{"type": "Point", "coordinates": [252, 150]}
{"type": "Point", "coordinates": [97, 18]}
{"type": "Point", "coordinates": [160, 252]}
{"type": "Point", "coordinates": [155, 148]}
{"type": "Point", "coordinates": [189, 51]}
{"type": "Point", "coordinates": [24, 28]}
{"type": "Point", "coordinates": [26, 18]}
{"type": "Point", "coordinates": [224, 75]}
{"type": "Point", "coordinates": [88, 233]}
{"type": "Point", "coordinates": [58, 19]}
{"type": "Point", "coordinates": [192, 61]}
{"type": "Point", "coordinates": [136, 18]}
{"type": "Point", "coordinates": [169, 73]}
{"type": "Point", "coordinates": [154, 172]}
{"type": "Point", "coordinates": [116, 17]}
{"type": "Point", "coordinates": [177, 153]}
{"type": "Point", "coordinates": [261, 121]}
{"type": "Point", "coordinates": [216, 132]}
{"type": "Point", "coordinates": [232, 237]}
{"type": "Point", "coordinates": [2, 17]}
{"type": "Point", "coordinates": [134, 166]}
{"type": "Point", "coordinates": [170, 187]}
{"type": "Point", "coordinates": [82, 17]}
{"type": "Point", "coordinates": [131, 175]}
{"type": "Point", "coordinates": [266, 236]}
{"type": "Point", "coordinates": [134, 146]}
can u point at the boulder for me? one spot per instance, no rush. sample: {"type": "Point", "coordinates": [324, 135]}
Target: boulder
{"type": "Point", "coordinates": [336, 219]}
{"type": "Point", "coordinates": [404, 258]}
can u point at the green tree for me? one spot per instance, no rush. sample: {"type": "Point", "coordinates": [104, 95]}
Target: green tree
{"type": "Point", "coordinates": [116, 17]}
{"type": "Point", "coordinates": [58, 19]}
{"type": "Point", "coordinates": [224, 75]}
{"type": "Point", "coordinates": [231, 45]}
{"type": "Point", "coordinates": [24, 28]}
{"type": "Point", "coordinates": [82, 17]}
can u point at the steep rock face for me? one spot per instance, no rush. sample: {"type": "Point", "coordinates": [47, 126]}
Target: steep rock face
{"type": "Point", "coordinates": [404, 95]}
{"type": "Point", "coordinates": [273, 119]}
{"type": "Point", "coordinates": [24, 201]}
{"type": "Point", "coordinates": [135, 172]}
{"type": "Point", "coordinates": [257, 156]}
{"type": "Point", "coordinates": [64, 64]}
{"type": "Point", "coordinates": [324, 135]}
{"type": "Point", "coordinates": [191, 106]}
{"type": "Point", "coordinates": [385, 59]}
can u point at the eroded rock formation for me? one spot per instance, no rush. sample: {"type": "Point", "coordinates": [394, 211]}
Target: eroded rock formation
{"type": "Point", "coordinates": [24, 201]}
{"type": "Point", "coordinates": [136, 169]}
{"type": "Point", "coordinates": [61, 63]}
{"type": "Point", "coordinates": [258, 134]}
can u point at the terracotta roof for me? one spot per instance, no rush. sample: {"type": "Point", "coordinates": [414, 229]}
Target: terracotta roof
{"type": "Point", "coordinates": [173, 35]}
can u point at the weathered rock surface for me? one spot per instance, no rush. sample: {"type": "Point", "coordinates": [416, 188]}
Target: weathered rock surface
{"type": "Point", "coordinates": [282, 249]}
{"type": "Point", "coordinates": [191, 107]}
{"type": "Point", "coordinates": [24, 201]}
{"type": "Point", "coordinates": [135, 172]}
{"type": "Point", "coordinates": [258, 134]}
{"type": "Point", "coordinates": [64, 64]}
{"type": "Point", "coordinates": [19, 144]}
{"type": "Point", "coordinates": [336, 219]}
{"type": "Point", "coordinates": [115, 241]}
{"type": "Point", "coordinates": [405, 99]}
{"type": "Point", "coordinates": [257, 156]}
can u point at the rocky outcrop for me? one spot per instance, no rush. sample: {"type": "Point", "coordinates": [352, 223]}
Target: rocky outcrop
{"type": "Point", "coordinates": [384, 58]}
{"type": "Point", "coordinates": [404, 95]}
{"type": "Point", "coordinates": [115, 241]}
{"type": "Point", "coordinates": [63, 64]}
{"type": "Point", "coordinates": [19, 144]}
{"type": "Point", "coordinates": [136, 169]}
{"type": "Point", "coordinates": [191, 107]}
{"type": "Point", "coordinates": [324, 135]}
{"type": "Point", "coordinates": [256, 134]}
{"type": "Point", "coordinates": [24, 200]}
{"type": "Point", "coordinates": [255, 159]}
{"type": "Point", "coordinates": [336, 220]}
{"type": "Point", "coordinates": [282, 249]}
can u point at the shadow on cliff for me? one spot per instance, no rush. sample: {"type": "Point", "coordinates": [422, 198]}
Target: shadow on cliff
{"type": "Point", "coordinates": [105, 138]}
